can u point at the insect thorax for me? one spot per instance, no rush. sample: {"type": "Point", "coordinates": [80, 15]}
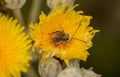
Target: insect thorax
{"type": "Point", "coordinates": [60, 37]}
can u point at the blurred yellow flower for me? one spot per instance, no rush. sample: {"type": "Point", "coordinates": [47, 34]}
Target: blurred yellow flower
{"type": "Point", "coordinates": [13, 48]}
{"type": "Point", "coordinates": [64, 33]}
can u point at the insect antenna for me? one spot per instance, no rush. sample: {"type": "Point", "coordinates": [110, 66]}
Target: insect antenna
{"type": "Point", "coordinates": [79, 40]}
{"type": "Point", "coordinates": [75, 33]}
{"type": "Point", "coordinates": [76, 30]}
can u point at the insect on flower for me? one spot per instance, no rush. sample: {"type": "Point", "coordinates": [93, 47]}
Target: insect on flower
{"type": "Point", "coordinates": [64, 37]}
{"type": "Point", "coordinates": [64, 33]}
{"type": "Point", "coordinates": [60, 37]}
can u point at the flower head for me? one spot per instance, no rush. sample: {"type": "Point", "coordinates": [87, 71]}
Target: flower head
{"type": "Point", "coordinates": [64, 34]}
{"type": "Point", "coordinates": [13, 48]}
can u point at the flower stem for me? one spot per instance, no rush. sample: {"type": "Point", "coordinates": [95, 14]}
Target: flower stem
{"type": "Point", "coordinates": [18, 15]}
{"type": "Point", "coordinates": [34, 11]}
{"type": "Point", "coordinates": [75, 63]}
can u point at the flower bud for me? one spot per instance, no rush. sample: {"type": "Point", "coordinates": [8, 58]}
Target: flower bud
{"type": "Point", "coordinates": [70, 72]}
{"type": "Point", "coordinates": [76, 72]}
{"type": "Point", "coordinates": [14, 4]}
{"type": "Point", "coordinates": [52, 3]}
{"type": "Point", "coordinates": [89, 73]}
{"type": "Point", "coordinates": [49, 68]}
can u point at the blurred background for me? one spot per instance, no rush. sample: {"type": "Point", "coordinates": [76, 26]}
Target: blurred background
{"type": "Point", "coordinates": [105, 54]}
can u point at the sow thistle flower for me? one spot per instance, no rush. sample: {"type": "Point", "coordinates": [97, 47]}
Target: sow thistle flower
{"type": "Point", "coordinates": [64, 33]}
{"type": "Point", "coordinates": [13, 48]}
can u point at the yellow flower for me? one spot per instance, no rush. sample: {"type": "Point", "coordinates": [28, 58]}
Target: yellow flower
{"type": "Point", "coordinates": [64, 34]}
{"type": "Point", "coordinates": [13, 48]}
